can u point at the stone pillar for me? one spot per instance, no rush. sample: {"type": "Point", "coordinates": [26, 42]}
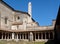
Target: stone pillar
{"type": "Point", "coordinates": [5, 35]}
{"type": "Point", "coordinates": [49, 35]}
{"type": "Point", "coordinates": [20, 36]}
{"type": "Point", "coordinates": [17, 36]}
{"type": "Point", "coordinates": [12, 35]}
{"type": "Point", "coordinates": [31, 36]}
{"type": "Point", "coordinates": [41, 35]}
{"type": "Point", "coordinates": [8, 35]}
{"type": "Point", "coordinates": [2, 35]}
{"type": "Point", "coordinates": [53, 35]}
{"type": "Point", "coordinates": [25, 36]}
{"type": "Point", "coordinates": [35, 36]}
{"type": "Point", "coordinates": [45, 35]}
{"type": "Point", "coordinates": [38, 36]}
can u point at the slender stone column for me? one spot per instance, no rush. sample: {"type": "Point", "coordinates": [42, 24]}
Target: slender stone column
{"type": "Point", "coordinates": [38, 36]}
{"type": "Point", "coordinates": [45, 35]}
{"type": "Point", "coordinates": [53, 35]}
{"type": "Point", "coordinates": [5, 35]}
{"type": "Point", "coordinates": [8, 35]}
{"type": "Point", "coordinates": [25, 36]}
{"type": "Point", "coordinates": [12, 35]}
{"type": "Point", "coordinates": [41, 35]}
{"type": "Point", "coordinates": [28, 35]}
{"type": "Point", "coordinates": [2, 35]}
{"type": "Point", "coordinates": [20, 36]}
{"type": "Point", "coordinates": [31, 36]}
{"type": "Point", "coordinates": [17, 35]}
{"type": "Point", "coordinates": [35, 36]}
{"type": "Point", "coordinates": [49, 35]}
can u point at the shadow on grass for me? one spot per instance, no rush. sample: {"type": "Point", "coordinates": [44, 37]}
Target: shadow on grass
{"type": "Point", "coordinates": [50, 42]}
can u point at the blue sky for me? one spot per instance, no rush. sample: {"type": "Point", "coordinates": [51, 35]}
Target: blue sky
{"type": "Point", "coordinates": [43, 11]}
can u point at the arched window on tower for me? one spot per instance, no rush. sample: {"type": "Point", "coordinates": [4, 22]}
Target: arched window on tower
{"type": "Point", "coordinates": [6, 20]}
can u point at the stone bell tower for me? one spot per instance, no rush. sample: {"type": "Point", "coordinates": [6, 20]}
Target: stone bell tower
{"type": "Point", "coordinates": [30, 8]}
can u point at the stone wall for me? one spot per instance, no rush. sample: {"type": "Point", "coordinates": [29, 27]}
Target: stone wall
{"type": "Point", "coordinates": [5, 13]}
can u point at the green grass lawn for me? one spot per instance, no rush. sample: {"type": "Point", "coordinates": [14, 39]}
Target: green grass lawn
{"type": "Point", "coordinates": [19, 42]}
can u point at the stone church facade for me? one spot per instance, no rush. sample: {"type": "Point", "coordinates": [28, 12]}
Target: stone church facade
{"type": "Point", "coordinates": [19, 25]}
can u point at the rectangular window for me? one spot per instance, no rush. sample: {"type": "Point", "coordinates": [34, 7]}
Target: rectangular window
{"type": "Point", "coordinates": [5, 20]}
